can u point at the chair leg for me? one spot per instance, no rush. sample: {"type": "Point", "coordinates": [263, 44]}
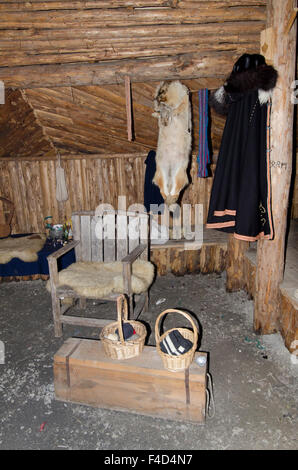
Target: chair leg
{"type": "Point", "coordinates": [82, 302]}
{"type": "Point", "coordinates": [57, 316]}
{"type": "Point", "coordinates": [141, 306]}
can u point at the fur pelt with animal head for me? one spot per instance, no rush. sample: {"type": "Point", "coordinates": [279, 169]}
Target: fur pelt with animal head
{"type": "Point", "coordinates": [173, 110]}
{"type": "Point", "coordinates": [250, 72]}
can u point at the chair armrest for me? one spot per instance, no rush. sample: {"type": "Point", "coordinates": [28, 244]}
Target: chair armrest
{"type": "Point", "coordinates": [131, 257]}
{"type": "Point", "coordinates": [64, 249]}
{"type": "Point", "coordinates": [127, 266]}
{"type": "Point", "coordinates": [53, 264]}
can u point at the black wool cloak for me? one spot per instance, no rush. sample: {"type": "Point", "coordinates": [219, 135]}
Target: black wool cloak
{"type": "Point", "coordinates": [240, 197]}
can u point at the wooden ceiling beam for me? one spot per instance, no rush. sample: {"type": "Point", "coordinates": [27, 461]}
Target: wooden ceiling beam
{"type": "Point", "coordinates": [184, 66]}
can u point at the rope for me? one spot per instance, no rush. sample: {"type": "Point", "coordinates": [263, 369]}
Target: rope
{"type": "Point", "coordinates": [59, 157]}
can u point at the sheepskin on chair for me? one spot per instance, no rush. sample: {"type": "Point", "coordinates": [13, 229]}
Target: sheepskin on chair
{"type": "Point", "coordinates": [173, 110]}
{"type": "Point", "coordinates": [24, 248]}
{"type": "Point", "coordinates": [97, 279]}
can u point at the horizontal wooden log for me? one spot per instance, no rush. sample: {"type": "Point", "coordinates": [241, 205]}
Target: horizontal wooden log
{"type": "Point", "coordinates": [122, 43]}
{"type": "Point", "coordinates": [84, 33]}
{"type": "Point", "coordinates": [214, 3]}
{"type": "Point", "coordinates": [79, 5]}
{"type": "Point", "coordinates": [184, 66]}
{"type": "Point", "coordinates": [120, 17]}
{"type": "Point", "coordinates": [133, 32]}
{"type": "Point", "coordinates": [35, 5]}
{"type": "Point", "coordinates": [111, 53]}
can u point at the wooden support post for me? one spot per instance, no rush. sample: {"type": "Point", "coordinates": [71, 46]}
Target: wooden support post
{"type": "Point", "coordinates": [128, 108]}
{"type": "Point", "coordinates": [291, 21]}
{"type": "Point", "coordinates": [235, 267]}
{"type": "Point", "coordinates": [271, 253]}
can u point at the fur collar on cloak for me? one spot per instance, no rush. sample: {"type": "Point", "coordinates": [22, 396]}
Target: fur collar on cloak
{"type": "Point", "coordinates": [250, 72]}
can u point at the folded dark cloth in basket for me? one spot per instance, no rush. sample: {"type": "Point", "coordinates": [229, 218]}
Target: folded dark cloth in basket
{"type": "Point", "coordinates": [175, 344]}
{"type": "Point", "coordinates": [128, 331]}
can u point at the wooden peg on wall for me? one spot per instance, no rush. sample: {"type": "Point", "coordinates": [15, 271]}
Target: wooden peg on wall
{"type": "Point", "coordinates": [267, 44]}
{"type": "Point", "coordinates": [291, 21]}
{"type": "Point", "coordinates": [128, 108]}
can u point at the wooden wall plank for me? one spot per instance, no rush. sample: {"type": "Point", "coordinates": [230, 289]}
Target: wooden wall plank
{"type": "Point", "coordinates": [86, 237]}
{"type": "Point", "coordinates": [109, 225]}
{"type": "Point", "coordinates": [96, 239]}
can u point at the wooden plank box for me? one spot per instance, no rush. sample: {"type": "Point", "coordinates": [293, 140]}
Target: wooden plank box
{"type": "Point", "coordinates": [83, 374]}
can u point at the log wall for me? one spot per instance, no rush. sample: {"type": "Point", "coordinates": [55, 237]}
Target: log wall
{"type": "Point", "coordinates": [60, 43]}
{"type": "Point", "coordinates": [31, 185]}
{"type": "Point", "coordinates": [86, 126]}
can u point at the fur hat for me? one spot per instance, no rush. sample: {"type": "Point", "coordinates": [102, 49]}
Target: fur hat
{"type": "Point", "coordinates": [250, 72]}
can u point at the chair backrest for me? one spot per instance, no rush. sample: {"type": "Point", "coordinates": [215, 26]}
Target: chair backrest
{"type": "Point", "coordinates": [109, 236]}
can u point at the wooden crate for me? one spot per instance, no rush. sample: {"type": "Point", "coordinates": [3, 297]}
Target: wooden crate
{"type": "Point", "coordinates": [83, 374]}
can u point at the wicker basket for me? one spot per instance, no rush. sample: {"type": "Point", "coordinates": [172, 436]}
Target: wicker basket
{"type": "Point", "coordinates": [182, 362]}
{"type": "Point", "coordinates": [123, 349]}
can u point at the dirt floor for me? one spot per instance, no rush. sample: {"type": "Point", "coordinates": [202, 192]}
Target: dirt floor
{"type": "Point", "coordinates": [254, 377]}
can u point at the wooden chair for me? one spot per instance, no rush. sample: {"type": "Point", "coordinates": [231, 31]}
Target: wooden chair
{"type": "Point", "coordinates": [112, 236]}
{"type": "Point", "coordinates": [6, 214]}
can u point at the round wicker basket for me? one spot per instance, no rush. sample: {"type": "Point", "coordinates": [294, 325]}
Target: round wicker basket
{"type": "Point", "coordinates": [182, 362]}
{"type": "Point", "coordinates": [123, 349]}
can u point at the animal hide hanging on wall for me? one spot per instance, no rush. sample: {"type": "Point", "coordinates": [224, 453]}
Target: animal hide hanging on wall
{"type": "Point", "coordinates": [173, 110]}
